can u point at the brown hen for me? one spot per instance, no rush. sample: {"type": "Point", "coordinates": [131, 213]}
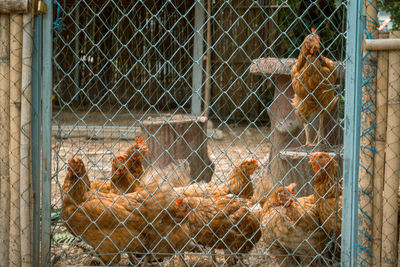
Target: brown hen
{"type": "Point", "coordinates": [290, 227]}
{"type": "Point", "coordinates": [238, 183]}
{"type": "Point", "coordinates": [328, 192]}
{"type": "Point", "coordinates": [127, 169]}
{"type": "Point", "coordinates": [223, 222]}
{"type": "Point", "coordinates": [313, 78]}
{"type": "Point", "coordinates": [113, 224]}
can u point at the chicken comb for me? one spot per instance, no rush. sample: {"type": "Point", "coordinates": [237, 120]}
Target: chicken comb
{"type": "Point", "coordinates": [122, 157]}
{"type": "Point", "coordinates": [179, 201]}
{"type": "Point", "coordinates": [254, 161]}
{"type": "Point", "coordinates": [314, 33]}
{"type": "Point", "coordinates": [140, 141]}
{"type": "Point", "coordinates": [74, 160]}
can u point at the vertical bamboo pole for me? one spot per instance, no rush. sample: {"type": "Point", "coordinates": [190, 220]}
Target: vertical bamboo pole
{"type": "Point", "coordinates": [367, 137]}
{"type": "Point", "coordinates": [25, 180]}
{"type": "Point", "coordinates": [379, 157]}
{"type": "Point", "coordinates": [15, 123]}
{"type": "Point", "coordinates": [392, 163]}
{"type": "Point", "coordinates": [4, 136]}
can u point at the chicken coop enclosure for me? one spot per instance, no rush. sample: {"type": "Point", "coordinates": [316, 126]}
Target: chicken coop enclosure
{"type": "Point", "coordinates": [208, 85]}
{"type": "Point", "coordinates": [206, 133]}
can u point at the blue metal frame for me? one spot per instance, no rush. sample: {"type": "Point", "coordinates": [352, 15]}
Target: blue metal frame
{"type": "Point", "coordinates": [197, 79]}
{"type": "Point", "coordinates": [36, 85]}
{"type": "Point", "coordinates": [352, 132]}
{"type": "Point", "coordinates": [47, 86]}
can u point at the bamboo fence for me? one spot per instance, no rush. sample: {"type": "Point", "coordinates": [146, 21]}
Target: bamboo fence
{"type": "Point", "coordinates": [368, 118]}
{"type": "Point", "coordinates": [385, 196]}
{"type": "Point", "coordinates": [5, 136]}
{"type": "Point", "coordinates": [16, 43]}
{"type": "Point", "coordinates": [392, 163]}
{"type": "Point", "coordinates": [379, 157]}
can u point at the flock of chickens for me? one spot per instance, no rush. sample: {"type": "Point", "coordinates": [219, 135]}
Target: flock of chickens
{"type": "Point", "coordinates": [140, 213]}
{"type": "Point", "coordinates": [126, 215]}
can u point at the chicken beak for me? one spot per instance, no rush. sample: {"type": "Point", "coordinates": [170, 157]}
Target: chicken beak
{"type": "Point", "coordinates": [291, 187]}
{"type": "Point", "coordinates": [288, 203]}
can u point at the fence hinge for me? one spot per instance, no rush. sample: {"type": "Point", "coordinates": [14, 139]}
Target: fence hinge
{"type": "Point", "coordinates": [41, 8]}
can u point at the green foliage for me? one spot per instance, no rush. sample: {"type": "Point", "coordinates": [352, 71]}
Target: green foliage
{"type": "Point", "coordinates": [61, 238]}
{"type": "Point", "coordinates": [297, 19]}
{"type": "Point", "coordinates": [56, 217]}
{"type": "Point", "coordinates": [393, 7]}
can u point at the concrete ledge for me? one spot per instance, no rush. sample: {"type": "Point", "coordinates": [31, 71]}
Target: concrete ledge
{"type": "Point", "coordinates": [96, 132]}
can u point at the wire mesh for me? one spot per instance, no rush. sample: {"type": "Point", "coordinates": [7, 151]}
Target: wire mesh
{"type": "Point", "coordinates": [137, 178]}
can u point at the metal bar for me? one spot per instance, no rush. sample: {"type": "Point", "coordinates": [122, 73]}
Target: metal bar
{"type": "Point", "coordinates": [352, 133]}
{"type": "Point", "coordinates": [46, 131]}
{"type": "Point", "coordinates": [382, 44]}
{"type": "Point", "coordinates": [36, 84]}
{"type": "Point", "coordinates": [197, 78]}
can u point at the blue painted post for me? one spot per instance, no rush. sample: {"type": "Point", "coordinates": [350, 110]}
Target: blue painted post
{"type": "Point", "coordinates": [197, 73]}
{"type": "Point", "coordinates": [36, 85]}
{"type": "Point", "coordinates": [46, 130]}
{"type": "Point", "coordinates": [352, 132]}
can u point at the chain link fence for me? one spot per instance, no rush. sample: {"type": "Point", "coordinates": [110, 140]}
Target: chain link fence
{"type": "Point", "coordinates": [197, 132]}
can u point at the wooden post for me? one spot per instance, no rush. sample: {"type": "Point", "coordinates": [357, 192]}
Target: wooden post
{"type": "Point", "coordinates": [25, 171]}
{"type": "Point", "coordinates": [5, 137]}
{"type": "Point", "coordinates": [15, 124]}
{"type": "Point", "coordinates": [367, 143]}
{"type": "Point", "coordinates": [392, 163]}
{"type": "Point", "coordinates": [179, 137]}
{"type": "Point", "coordinates": [382, 44]}
{"type": "Point", "coordinates": [379, 157]}
{"type": "Point", "coordinates": [13, 6]}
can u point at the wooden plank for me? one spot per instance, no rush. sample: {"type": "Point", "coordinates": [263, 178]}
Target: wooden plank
{"type": "Point", "coordinates": [382, 44]}
{"type": "Point", "coordinates": [271, 65]}
{"type": "Point", "coordinates": [13, 6]}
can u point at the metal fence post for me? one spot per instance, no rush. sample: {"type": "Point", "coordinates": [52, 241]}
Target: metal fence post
{"type": "Point", "coordinates": [46, 130]}
{"type": "Point", "coordinates": [352, 120]}
{"type": "Point", "coordinates": [197, 79]}
{"type": "Point", "coordinates": [36, 85]}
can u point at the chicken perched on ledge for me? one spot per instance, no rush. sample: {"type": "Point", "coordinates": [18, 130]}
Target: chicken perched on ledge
{"type": "Point", "coordinates": [290, 227]}
{"type": "Point", "coordinates": [113, 224]}
{"type": "Point", "coordinates": [313, 78]}
{"type": "Point", "coordinates": [238, 183]}
{"type": "Point", "coordinates": [127, 170]}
